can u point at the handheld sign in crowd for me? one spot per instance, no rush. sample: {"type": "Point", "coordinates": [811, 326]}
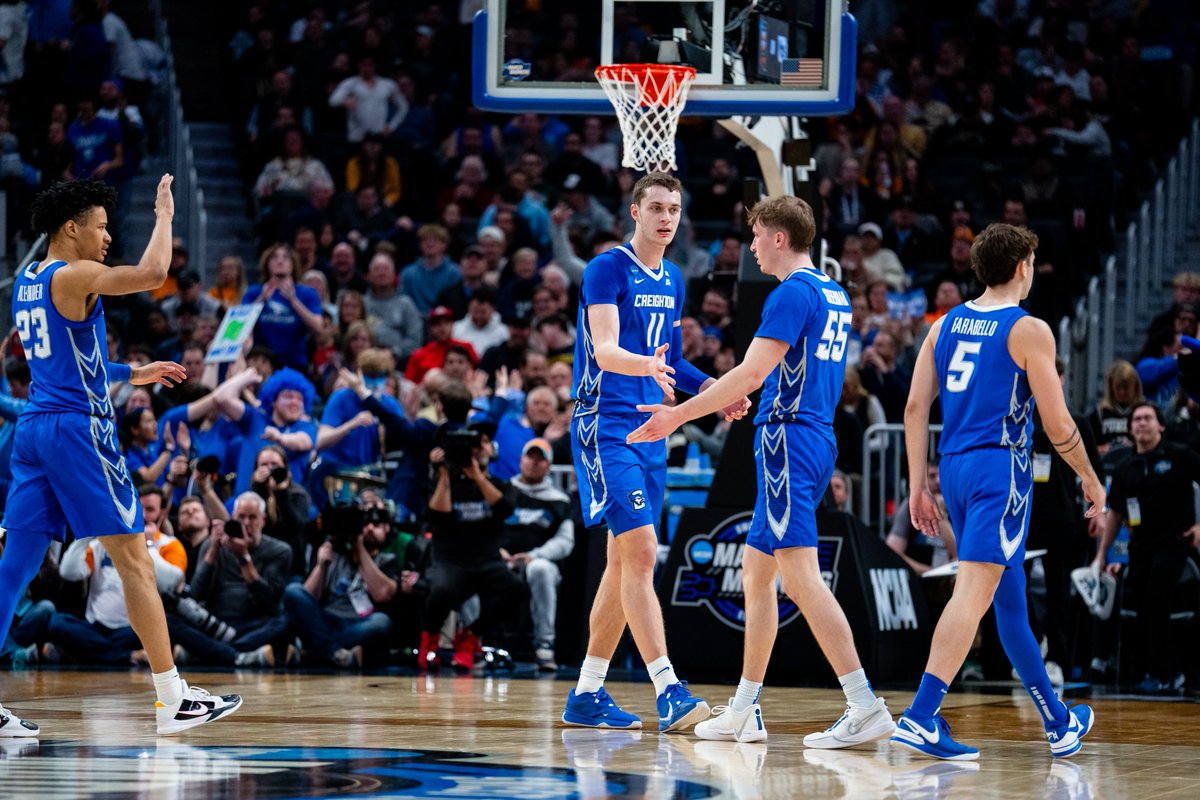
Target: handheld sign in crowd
{"type": "Point", "coordinates": [235, 328]}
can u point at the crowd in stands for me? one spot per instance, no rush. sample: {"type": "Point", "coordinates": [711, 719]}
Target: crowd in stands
{"type": "Point", "coordinates": [381, 455]}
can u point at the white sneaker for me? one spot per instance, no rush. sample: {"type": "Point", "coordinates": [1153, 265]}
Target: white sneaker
{"type": "Point", "coordinates": [727, 725]}
{"type": "Point", "coordinates": [856, 726]}
{"type": "Point", "coordinates": [12, 726]}
{"type": "Point", "coordinates": [196, 708]}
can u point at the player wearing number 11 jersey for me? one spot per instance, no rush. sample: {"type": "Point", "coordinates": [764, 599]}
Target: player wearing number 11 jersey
{"type": "Point", "coordinates": [800, 351]}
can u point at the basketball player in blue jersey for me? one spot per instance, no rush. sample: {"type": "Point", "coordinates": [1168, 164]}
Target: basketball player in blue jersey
{"type": "Point", "coordinates": [628, 353]}
{"type": "Point", "coordinates": [66, 467]}
{"type": "Point", "coordinates": [799, 350]}
{"type": "Point", "coordinates": [990, 361]}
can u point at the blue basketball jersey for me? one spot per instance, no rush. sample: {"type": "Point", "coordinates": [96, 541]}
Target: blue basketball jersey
{"type": "Point", "coordinates": [649, 303]}
{"type": "Point", "coordinates": [986, 401]}
{"type": "Point", "coordinates": [67, 359]}
{"type": "Point", "coordinates": [811, 313]}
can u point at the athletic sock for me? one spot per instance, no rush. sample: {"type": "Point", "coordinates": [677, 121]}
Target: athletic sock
{"type": "Point", "coordinates": [662, 673]}
{"type": "Point", "coordinates": [929, 697]}
{"type": "Point", "coordinates": [747, 694]}
{"type": "Point", "coordinates": [592, 675]}
{"type": "Point", "coordinates": [1022, 649]}
{"type": "Point", "coordinates": [857, 688]}
{"type": "Point", "coordinates": [169, 687]}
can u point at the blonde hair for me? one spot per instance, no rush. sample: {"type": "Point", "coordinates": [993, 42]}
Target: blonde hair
{"type": "Point", "coordinates": [1121, 372]}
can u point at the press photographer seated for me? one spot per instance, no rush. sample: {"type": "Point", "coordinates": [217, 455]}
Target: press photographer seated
{"type": "Point", "coordinates": [466, 515]}
{"type": "Point", "coordinates": [334, 610]}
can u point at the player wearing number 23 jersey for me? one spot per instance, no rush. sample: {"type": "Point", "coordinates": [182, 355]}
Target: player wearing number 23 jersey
{"type": "Point", "coordinates": [66, 465]}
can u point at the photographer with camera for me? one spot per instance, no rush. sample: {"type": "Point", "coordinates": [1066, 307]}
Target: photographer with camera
{"type": "Point", "coordinates": [288, 505]}
{"type": "Point", "coordinates": [466, 514]}
{"type": "Point", "coordinates": [334, 610]}
{"type": "Point", "coordinates": [240, 580]}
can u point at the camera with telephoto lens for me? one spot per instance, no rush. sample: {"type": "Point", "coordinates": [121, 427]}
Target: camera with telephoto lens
{"type": "Point", "coordinates": [342, 525]}
{"type": "Point", "coordinates": [279, 474]}
{"type": "Point", "coordinates": [200, 617]}
{"type": "Point", "coordinates": [459, 445]}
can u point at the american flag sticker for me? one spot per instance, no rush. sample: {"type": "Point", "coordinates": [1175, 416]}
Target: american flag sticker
{"type": "Point", "coordinates": [802, 71]}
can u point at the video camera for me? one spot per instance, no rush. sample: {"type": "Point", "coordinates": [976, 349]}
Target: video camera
{"type": "Point", "coordinates": [460, 445]}
{"type": "Point", "coordinates": [342, 525]}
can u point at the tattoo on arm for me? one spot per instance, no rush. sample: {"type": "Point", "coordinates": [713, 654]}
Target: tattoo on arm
{"type": "Point", "coordinates": [1068, 444]}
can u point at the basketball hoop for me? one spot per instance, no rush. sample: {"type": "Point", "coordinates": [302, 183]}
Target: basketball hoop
{"type": "Point", "coordinates": [648, 99]}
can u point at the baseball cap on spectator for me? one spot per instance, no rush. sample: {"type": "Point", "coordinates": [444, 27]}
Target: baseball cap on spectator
{"type": "Point", "coordinates": [714, 331]}
{"type": "Point", "coordinates": [514, 321]}
{"type": "Point", "coordinates": [964, 233]}
{"type": "Point", "coordinates": [871, 228]}
{"type": "Point", "coordinates": [484, 427]}
{"type": "Point", "coordinates": [424, 30]}
{"type": "Point", "coordinates": [491, 233]}
{"type": "Point", "coordinates": [1185, 308]}
{"type": "Point", "coordinates": [538, 445]}
{"type": "Point", "coordinates": [473, 250]}
{"type": "Point", "coordinates": [440, 312]}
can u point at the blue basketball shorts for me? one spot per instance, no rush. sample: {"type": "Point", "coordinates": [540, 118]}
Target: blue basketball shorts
{"type": "Point", "coordinates": [620, 484]}
{"type": "Point", "coordinates": [67, 470]}
{"type": "Point", "coordinates": [794, 464]}
{"type": "Point", "coordinates": [988, 493]}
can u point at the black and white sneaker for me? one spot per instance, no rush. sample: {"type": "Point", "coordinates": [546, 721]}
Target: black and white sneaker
{"type": "Point", "coordinates": [12, 726]}
{"type": "Point", "coordinates": [196, 708]}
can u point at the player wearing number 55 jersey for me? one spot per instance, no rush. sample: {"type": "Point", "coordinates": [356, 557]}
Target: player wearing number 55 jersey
{"type": "Point", "coordinates": [65, 465]}
{"type": "Point", "coordinates": [990, 361]}
{"type": "Point", "coordinates": [627, 350]}
{"type": "Point", "coordinates": [799, 351]}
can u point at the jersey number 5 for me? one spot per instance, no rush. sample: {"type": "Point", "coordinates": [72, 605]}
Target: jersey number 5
{"type": "Point", "coordinates": [34, 332]}
{"type": "Point", "coordinates": [833, 340]}
{"type": "Point", "coordinates": [958, 376]}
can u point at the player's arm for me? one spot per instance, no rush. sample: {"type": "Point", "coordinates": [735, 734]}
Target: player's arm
{"type": "Point", "coordinates": [694, 381]}
{"type": "Point", "coordinates": [605, 327]}
{"type": "Point", "coordinates": [1108, 533]}
{"type": "Point", "coordinates": [1032, 344]}
{"type": "Point", "coordinates": [763, 356]}
{"type": "Point", "coordinates": [92, 277]}
{"type": "Point", "coordinates": [921, 504]}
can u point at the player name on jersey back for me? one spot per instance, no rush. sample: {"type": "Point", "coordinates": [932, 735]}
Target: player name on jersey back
{"type": "Point", "coordinates": [974, 327]}
{"type": "Point", "coordinates": [29, 292]}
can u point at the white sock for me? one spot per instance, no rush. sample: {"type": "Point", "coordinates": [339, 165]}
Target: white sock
{"type": "Point", "coordinates": [857, 688]}
{"type": "Point", "coordinates": [169, 687]}
{"type": "Point", "coordinates": [662, 673]}
{"type": "Point", "coordinates": [747, 695]}
{"type": "Point", "coordinates": [592, 675]}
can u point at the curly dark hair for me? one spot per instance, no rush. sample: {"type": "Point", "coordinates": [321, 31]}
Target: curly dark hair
{"type": "Point", "coordinates": [70, 200]}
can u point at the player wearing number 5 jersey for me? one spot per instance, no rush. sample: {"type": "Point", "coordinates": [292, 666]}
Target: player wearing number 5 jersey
{"type": "Point", "coordinates": [799, 351]}
{"type": "Point", "coordinates": [65, 465]}
{"type": "Point", "coordinates": [627, 350]}
{"type": "Point", "coordinates": [990, 361]}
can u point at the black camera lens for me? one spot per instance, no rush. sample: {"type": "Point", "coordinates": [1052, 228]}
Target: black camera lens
{"type": "Point", "coordinates": [209, 465]}
{"type": "Point", "coordinates": [233, 529]}
{"type": "Point", "coordinates": [279, 474]}
{"type": "Point", "coordinates": [375, 516]}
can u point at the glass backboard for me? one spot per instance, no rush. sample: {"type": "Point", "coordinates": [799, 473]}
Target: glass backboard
{"type": "Point", "coordinates": [752, 57]}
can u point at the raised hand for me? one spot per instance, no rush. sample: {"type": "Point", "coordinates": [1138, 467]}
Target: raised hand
{"type": "Point", "coordinates": [183, 439]}
{"type": "Point", "coordinates": [164, 201]}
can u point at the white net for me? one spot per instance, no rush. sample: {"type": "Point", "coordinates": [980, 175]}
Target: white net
{"type": "Point", "coordinates": [648, 99]}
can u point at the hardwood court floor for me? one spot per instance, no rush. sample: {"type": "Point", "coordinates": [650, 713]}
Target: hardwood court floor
{"type": "Point", "coordinates": [383, 736]}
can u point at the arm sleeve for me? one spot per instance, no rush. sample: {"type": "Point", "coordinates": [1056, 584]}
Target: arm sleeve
{"type": "Point", "coordinates": [119, 373]}
{"type": "Point", "coordinates": [687, 377]}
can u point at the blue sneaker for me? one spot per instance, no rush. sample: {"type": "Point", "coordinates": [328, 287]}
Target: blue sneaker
{"type": "Point", "coordinates": [931, 737]}
{"type": "Point", "coordinates": [679, 709]}
{"type": "Point", "coordinates": [1067, 738]}
{"type": "Point", "coordinates": [597, 710]}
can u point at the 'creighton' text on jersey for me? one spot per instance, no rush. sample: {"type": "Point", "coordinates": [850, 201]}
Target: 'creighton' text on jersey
{"type": "Point", "coordinates": [986, 401]}
{"type": "Point", "coordinates": [649, 302]}
{"type": "Point", "coordinates": [67, 359]}
{"type": "Point", "coordinates": [812, 315]}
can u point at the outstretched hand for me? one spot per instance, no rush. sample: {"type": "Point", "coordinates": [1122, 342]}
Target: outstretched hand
{"type": "Point", "coordinates": [736, 410]}
{"type": "Point", "coordinates": [164, 201]}
{"type": "Point", "coordinates": [162, 372]}
{"type": "Point", "coordinates": [658, 368]}
{"type": "Point", "coordinates": [662, 423]}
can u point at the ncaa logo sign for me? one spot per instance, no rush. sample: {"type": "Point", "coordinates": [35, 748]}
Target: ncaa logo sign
{"type": "Point", "coordinates": [712, 575]}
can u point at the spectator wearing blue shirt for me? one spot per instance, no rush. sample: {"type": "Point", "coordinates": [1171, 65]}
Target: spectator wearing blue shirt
{"type": "Point", "coordinates": [211, 434]}
{"type": "Point", "coordinates": [12, 404]}
{"type": "Point", "coordinates": [97, 143]}
{"type": "Point", "coordinates": [282, 419]}
{"type": "Point", "coordinates": [146, 457]}
{"type": "Point", "coordinates": [516, 426]}
{"type": "Point", "coordinates": [424, 279]}
{"type": "Point", "coordinates": [349, 432]}
{"type": "Point", "coordinates": [291, 312]}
